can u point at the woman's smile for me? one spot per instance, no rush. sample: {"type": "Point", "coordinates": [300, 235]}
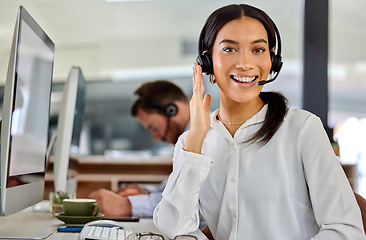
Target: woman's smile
{"type": "Point", "coordinates": [243, 79]}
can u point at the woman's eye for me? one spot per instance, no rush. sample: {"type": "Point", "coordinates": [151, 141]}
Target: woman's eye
{"type": "Point", "coordinates": [229, 49]}
{"type": "Point", "coordinates": [259, 50]}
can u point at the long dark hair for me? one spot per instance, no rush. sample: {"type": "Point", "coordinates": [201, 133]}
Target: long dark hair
{"type": "Point", "coordinates": [277, 103]}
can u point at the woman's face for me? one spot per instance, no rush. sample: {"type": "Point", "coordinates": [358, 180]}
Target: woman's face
{"type": "Point", "coordinates": [241, 58]}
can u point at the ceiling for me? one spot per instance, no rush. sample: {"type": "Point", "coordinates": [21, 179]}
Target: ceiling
{"type": "Point", "coordinates": [111, 39]}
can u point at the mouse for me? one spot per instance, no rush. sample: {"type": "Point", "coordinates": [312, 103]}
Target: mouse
{"type": "Point", "coordinates": [104, 223]}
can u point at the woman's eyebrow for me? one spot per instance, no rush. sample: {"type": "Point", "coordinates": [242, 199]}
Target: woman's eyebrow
{"type": "Point", "coordinates": [228, 41]}
{"type": "Point", "coordinates": [261, 40]}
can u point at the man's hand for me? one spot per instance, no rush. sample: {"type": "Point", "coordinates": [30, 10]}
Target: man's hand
{"type": "Point", "coordinates": [111, 204]}
{"type": "Point", "coordinates": [131, 189]}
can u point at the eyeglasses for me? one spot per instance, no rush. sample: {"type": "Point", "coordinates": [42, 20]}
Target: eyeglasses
{"type": "Point", "coordinates": [154, 236]}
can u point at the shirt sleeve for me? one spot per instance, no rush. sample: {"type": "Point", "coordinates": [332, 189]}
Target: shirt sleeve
{"type": "Point", "coordinates": [335, 207]}
{"type": "Point", "coordinates": [157, 188]}
{"type": "Point", "coordinates": [143, 205]}
{"type": "Point", "coordinates": [178, 211]}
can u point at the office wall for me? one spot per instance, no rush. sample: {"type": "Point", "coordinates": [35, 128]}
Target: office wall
{"type": "Point", "coordinates": [105, 39]}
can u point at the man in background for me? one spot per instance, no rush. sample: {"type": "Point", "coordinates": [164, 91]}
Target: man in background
{"type": "Point", "coordinates": [162, 108]}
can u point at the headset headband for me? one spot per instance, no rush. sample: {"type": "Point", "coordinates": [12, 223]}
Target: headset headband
{"type": "Point", "coordinates": [169, 109]}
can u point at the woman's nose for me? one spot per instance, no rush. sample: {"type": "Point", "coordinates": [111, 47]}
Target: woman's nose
{"type": "Point", "coordinates": [244, 61]}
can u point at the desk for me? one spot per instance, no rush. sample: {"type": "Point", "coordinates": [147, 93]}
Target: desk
{"type": "Point", "coordinates": [94, 172]}
{"type": "Point", "coordinates": [42, 220]}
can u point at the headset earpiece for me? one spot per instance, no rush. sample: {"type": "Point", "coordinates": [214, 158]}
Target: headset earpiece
{"type": "Point", "coordinates": [276, 59]}
{"type": "Point", "coordinates": [170, 109]}
{"type": "Point", "coordinates": [205, 61]}
{"type": "Point", "coordinates": [276, 63]}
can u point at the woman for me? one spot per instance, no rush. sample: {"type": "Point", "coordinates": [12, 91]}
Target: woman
{"type": "Point", "coordinates": [254, 169]}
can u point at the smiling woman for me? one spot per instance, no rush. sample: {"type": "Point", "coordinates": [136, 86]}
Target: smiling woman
{"type": "Point", "coordinates": [253, 169]}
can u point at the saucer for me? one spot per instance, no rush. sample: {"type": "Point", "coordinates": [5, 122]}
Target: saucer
{"type": "Point", "coordinates": [77, 219]}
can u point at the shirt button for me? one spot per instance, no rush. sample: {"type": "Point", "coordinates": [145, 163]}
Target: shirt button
{"type": "Point", "coordinates": [234, 214]}
{"type": "Point", "coordinates": [232, 179]}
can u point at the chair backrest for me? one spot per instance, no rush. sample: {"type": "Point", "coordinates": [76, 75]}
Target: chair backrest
{"type": "Point", "coordinates": [362, 205]}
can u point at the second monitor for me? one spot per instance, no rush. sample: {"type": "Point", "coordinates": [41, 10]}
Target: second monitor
{"type": "Point", "coordinates": [69, 128]}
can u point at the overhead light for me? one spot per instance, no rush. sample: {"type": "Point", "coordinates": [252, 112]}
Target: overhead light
{"type": "Point", "coordinates": [129, 0]}
{"type": "Point", "coordinates": [150, 74]}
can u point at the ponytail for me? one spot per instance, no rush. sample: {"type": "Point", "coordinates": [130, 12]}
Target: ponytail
{"type": "Point", "coordinates": [277, 109]}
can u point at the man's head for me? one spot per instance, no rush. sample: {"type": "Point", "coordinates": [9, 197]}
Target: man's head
{"type": "Point", "coordinates": [162, 108]}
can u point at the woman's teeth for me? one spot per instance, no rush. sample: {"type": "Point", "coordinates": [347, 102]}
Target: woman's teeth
{"type": "Point", "coordinates": [244, 79]}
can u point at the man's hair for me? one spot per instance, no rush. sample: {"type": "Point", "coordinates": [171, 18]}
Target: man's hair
{"type": "Point", "coordinates": [160, 92]}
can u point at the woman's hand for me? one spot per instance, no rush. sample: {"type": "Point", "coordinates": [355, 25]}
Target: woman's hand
{"type": "Point", "coordinates": [199, 113]}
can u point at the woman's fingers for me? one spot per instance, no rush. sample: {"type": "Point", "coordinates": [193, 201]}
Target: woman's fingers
{"type": "Point", "coordinates": [199, 113]}
{"type": "Point", "coordinates": [199, 88]}
{"type": "Point", "coordinates": [198, 85]}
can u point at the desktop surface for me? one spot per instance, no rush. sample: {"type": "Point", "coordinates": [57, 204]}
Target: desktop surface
{"type": "Point", "coordinates": [97, 171]}
{"type": "Point", "coordinates": [42, 220]}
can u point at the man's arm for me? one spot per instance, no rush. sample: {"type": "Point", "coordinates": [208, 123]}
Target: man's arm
{"type": "Point", "coordinates": [144, 205]}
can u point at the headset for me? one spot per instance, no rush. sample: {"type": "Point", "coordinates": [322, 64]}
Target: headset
{"type": "Point", "coordinates": [205, 58]}
{"type": "Point", "coordinates": [169, 109]}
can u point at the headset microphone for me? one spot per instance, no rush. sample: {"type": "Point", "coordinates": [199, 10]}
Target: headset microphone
{"type": "Point", "coordinates": [166, 130]}
{"type": "Point", "coordinates": [262, 82]}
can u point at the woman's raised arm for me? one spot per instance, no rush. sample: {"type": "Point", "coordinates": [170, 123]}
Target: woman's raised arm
{"type": "Point", "coordinates": [199, 113]}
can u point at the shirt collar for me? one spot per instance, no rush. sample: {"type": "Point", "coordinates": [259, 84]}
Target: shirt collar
{"type": "Point", "coordinates": [255, 119]}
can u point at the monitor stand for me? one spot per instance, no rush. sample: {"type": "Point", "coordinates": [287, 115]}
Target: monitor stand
{"type": "Point", "coordinates": [24, 234]}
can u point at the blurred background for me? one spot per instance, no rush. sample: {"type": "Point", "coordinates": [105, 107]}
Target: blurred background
{"type": "Point", "coordinates": [121, 44]}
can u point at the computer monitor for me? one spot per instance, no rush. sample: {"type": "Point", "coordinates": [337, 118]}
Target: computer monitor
{"type": "Point", "coordinates": [69, 126]}
{"type": "Point", "coordinates": [25, 116]}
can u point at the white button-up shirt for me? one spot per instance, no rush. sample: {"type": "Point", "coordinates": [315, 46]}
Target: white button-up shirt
{"type": "Point", "coordinates": [292, 188]}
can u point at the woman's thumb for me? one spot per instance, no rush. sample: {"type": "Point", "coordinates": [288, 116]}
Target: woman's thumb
{"type": "Point", "coordinates": [207, 102]}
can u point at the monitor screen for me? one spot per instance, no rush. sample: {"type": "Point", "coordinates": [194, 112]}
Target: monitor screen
{"type": "Point", "coordinates": [69, 126]}
{"type": "Point", "coordinates": [25, 116]}
{"type": "Point", "coordinates": [78, 110]}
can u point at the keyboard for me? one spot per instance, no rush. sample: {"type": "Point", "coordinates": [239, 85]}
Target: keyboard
{"type": "Point", "coordinates": [103, 233]}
